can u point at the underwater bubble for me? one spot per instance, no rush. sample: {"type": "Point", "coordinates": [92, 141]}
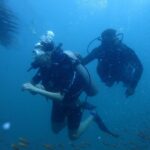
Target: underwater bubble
{"type": "Point", "coordinates": [6, 126]}
{"type": "Point", "coordinates": [99, 137]}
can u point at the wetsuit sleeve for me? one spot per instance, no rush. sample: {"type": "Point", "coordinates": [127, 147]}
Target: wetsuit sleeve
{"type": "Point", "coordinates": [89, 87]}
{"type": "Point", "coordinates": [36, 78]}
{"type": "Point", "coordinates": [136, 65]}
{"type": "Point", "coordinates": [91, 56]}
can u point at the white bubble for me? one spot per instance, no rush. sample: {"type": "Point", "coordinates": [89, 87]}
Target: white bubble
{"type": "Point", "coordinates": [99, 137]}
{"type": "Point", "coordinates": [6, 126]}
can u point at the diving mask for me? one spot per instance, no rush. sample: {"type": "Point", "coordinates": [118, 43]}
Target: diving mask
{"type": "Point", "coordinates": [37, 51]}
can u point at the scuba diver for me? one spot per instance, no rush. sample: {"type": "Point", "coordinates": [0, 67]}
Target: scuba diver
{"type": "Point", "coordinates": [8, 24]}
{"type": "Point", "coordinates": [63, 79]}
{"type": "Point", "coordinates": [116, 61]}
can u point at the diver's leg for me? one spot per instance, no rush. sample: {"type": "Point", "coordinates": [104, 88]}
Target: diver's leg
{"type": "Point", "coordinates": [75, 126]}
{"type": "Point", "coordinates": [101, 124]}
{"type": "Point", "coordinates": [57, 117]}
{"type": "Point", "coordinates": [75, 134]}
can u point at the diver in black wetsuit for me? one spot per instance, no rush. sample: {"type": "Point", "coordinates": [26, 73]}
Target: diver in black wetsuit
{"type": "Point", "coordinates": [116, 61]}
{"type": "Point", "coordinates": [64, 79]}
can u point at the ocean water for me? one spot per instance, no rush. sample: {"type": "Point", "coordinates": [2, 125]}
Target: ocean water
{"type": "Point", "coordinates": [75, 23]}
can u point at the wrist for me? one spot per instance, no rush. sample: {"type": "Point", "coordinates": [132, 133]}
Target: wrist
{"type": "Point", "coordinates": [35, 89]}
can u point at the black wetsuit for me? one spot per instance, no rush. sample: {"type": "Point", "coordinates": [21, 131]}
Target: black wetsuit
{"type": "Point", "coordinates": [116, 63]}
{"type": "Point", "coordinates": [62, 77]}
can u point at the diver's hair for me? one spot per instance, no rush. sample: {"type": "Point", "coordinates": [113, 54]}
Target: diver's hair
{"type": "Point", "coordinates": [109, 33]}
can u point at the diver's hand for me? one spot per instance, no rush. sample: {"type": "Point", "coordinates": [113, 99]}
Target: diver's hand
{"type": "Point", "coordinates": [129, 92]}
{"type": "Point", "coordinates": [29, 87]}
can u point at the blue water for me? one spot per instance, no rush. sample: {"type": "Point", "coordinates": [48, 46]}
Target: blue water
{"type": "Point", "coordinates": [75, 23]}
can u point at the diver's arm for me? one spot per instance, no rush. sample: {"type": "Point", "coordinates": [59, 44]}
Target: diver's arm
{"type": "Point", "coordinates": [137, 66]}
{"type": "Point", "coordinates": [135, 79]}
{"type": "Point", "coordinates": [137, 69]}
{"type": "Point", "coordinates": [90, 89]}
{"type": "Point", "coordinates": [91, 56]}
{"type": "Point", "coordinates": [51, 95]}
